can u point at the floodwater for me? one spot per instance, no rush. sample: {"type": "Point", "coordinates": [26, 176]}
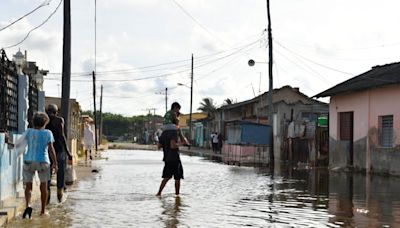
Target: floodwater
{"type": "Point", "coordinates": [122, 194]}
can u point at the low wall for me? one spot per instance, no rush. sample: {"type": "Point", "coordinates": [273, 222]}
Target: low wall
{"type": "Point", "coordinates": [245, 154]}
{"type": "Point", "coordinates": [10, 170]}
{"type": "Point", "coordinates": [385, 160]}
{"type": "Point", "coordinates": [338, 157]}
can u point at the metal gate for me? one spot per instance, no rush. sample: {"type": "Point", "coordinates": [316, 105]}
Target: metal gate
{"type": "Point", "coordinates": [8, 95]}
{"type": "Point", "coordinates": [33, 97]}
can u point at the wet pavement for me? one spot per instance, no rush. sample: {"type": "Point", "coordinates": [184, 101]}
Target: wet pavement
{"type": "Point", "coordinates": [213, 194]}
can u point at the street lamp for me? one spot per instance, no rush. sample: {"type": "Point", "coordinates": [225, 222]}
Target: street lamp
{"type": "Point", "coordinates": [191, 104]}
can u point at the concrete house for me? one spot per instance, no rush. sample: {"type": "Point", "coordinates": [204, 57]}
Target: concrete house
{"type": "Point", "coordinates": [292, 110]}
{"type": "Point", "coordinates": [364, 121]}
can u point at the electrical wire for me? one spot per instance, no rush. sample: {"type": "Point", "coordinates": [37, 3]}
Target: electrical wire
{"type": "Point", "coordinates": [196, 21]}
{"type": "Point", "coordinates": [312, 61]}
{"type": "Point", "coordinates": [45, 3]}
{"type": "Point", "coordinates": [40, 25]}
{"type": "Point", "coordinates": [142, 69]}
{"type": "Point", "coordinates": [169, 74]}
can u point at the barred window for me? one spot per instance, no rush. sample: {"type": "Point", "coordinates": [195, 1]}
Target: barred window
{"type": "Point", "coordinates": [386, 131]}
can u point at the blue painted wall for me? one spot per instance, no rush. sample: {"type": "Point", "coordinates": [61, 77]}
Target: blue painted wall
{"type": "Point", "coordinates": [244, 133]}
{"type": "Point", "coordinates": [10, 170]}
{"type": "Point", "coordinates": [256, 134]}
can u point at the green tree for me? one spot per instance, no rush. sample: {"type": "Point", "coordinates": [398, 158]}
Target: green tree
{"type": "Point", "coordinates": [228, 101]}
{"type": "Point", "coordinates": [207, 105]}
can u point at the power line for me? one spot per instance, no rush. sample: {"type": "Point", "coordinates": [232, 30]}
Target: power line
{"type": "Point", "coordinates": [44, 22]}
{"type": "Point", "coordinates": [201, 59]}
{"type": "Point", "coordinates": [45, 3]}
{"type": "Point", "coordinates": [312, 61]}
{"type": "Point", "coordinates": [348, 49]}
{"type": "Point", "coordinates": [196, 21]}
{"type": "Point", "coordinates": [169, 74]}
{"type": "Point", "coordinates": [311, 70]}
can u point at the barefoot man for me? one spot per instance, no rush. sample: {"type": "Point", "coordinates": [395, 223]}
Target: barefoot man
{"type": "Point", "coordinates": [172, 162]}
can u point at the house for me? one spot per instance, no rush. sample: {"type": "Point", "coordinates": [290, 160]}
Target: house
{"type": "Point", "coordinates": [246, 143]}
{"type": "Point", "coordinates": [199, 132]}
{"type": "Point", "coordinates": [364, 121]}
{"type": "Point", "coordinates": [293, 110]}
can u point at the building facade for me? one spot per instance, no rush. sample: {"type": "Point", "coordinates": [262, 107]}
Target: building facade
{"type": "Point", "coordinates": [364, 121]}
{"type": "Point", "coordinates": [291, 110]}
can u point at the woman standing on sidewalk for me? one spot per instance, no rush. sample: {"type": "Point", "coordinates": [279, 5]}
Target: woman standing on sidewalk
{"type": "Point", "coordinates": [40, 144]}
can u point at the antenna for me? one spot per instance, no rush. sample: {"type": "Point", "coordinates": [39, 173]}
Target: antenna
{"type": "Point", "coordinates": [253, 89]}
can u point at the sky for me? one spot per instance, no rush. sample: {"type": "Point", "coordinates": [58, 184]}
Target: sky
{"type": "Point", "coordinates": [145, 46]}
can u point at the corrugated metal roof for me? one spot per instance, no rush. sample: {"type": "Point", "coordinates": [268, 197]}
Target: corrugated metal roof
{"type": "Point", "coordinates": [376, 77]}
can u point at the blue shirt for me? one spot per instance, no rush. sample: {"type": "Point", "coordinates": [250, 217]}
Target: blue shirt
{"type": "Point", "coordinates": [38, 141]}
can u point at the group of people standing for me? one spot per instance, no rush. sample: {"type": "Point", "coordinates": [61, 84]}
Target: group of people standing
{"type": "Point", "coordinates": [45, 150]}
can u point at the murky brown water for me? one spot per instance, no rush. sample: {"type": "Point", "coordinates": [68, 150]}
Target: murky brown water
{"type": "Point", "coordinates": [122, 194]}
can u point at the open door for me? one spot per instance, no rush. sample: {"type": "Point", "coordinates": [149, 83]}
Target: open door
{"type": "Point", "coordinates": [346, 126]}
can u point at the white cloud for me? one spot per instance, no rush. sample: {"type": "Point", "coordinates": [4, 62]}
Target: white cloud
{"type": "Point", "coordinates": [348, 36]}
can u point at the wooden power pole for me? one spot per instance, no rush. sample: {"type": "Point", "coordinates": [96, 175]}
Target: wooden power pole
{"type": "Point", "coordinates": [271, 90]}
{"type": "Point", "coordinates": [94, 110]}
{"type": "Point", "coordinates": [101, 115]}
{"type": "Point", "coordinates": [66, 66]}
{"type": "Point", "coordinates": [191, 102]}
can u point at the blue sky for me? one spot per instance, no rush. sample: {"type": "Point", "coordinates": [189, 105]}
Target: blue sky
{"type": "Point", "coordinates": [144, 46]}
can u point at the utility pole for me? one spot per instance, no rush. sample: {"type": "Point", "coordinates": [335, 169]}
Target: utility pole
{"type": "Point", "coordinates": [191, 103]}
{"type": "Point", "coordinates": [166, 99]}
{"type": "Point", "coordinates": [94, 110]}
{"type": "Point", "coordinates": [270, 102]}
{"type": "Point", "coordinates": [101, 114]}
{"type": "Point", "coordinates": [154, 114]}
{"type": "Point", "coordinates": [66, 66]}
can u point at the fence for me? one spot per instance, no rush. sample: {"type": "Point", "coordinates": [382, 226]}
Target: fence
{"type": "Point", "coordinates": [8, 95]}
{"type": "Point", "coordinates": [245, 154]}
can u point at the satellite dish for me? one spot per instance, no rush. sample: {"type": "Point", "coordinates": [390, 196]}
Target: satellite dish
{"type": "Point", "coordinates": [251, 62]}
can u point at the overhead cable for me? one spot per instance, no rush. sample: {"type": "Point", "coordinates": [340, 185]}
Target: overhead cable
{"type": "Point", "coordinates": [45, 3]}
{"type": "Point", "coordinates": [44, 22]}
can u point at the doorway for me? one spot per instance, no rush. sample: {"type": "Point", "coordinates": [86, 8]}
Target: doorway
{"type": "Point", "coordinates": [346, 125]}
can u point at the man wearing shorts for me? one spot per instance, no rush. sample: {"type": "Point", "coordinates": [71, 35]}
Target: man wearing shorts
{"type": "Point", "coordinates": [172, 162]}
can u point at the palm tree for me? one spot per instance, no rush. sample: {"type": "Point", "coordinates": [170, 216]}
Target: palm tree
{"type": "Point", "coordinates": [207, 106]}
{"type": "Point", "coordinates": [228, 101]}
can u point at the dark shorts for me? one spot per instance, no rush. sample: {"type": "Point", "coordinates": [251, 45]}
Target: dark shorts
{"type": "Point", "coordinates": [174, 169]}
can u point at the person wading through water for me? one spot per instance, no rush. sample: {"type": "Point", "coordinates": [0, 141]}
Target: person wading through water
{"type": "Point", "coordinates": [56, 126]}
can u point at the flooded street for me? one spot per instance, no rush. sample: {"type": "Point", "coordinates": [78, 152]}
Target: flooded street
{"type": "Point", "coordinates": [123, 192]}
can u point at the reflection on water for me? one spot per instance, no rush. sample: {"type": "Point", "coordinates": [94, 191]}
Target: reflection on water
{"type": "Point", "coordinates": [171, 210]}
{"type": "Point", "coordinates": [122, 194]}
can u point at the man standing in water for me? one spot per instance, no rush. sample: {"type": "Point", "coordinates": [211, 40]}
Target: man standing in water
{"type": "Point", "coordinates": [172, 162]}
{"type": "Point", "coordinates": [56, 126]}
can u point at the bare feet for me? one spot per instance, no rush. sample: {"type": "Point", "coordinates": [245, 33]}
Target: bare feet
{"type": "Point", "coordinates": [44, 214]}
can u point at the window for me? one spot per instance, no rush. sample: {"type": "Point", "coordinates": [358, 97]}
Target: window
{"type": "Point", "coordinates": [386, 131]}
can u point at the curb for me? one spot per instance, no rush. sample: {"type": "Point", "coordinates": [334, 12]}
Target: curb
{"type": "Point", "coordinates": [14, 206]}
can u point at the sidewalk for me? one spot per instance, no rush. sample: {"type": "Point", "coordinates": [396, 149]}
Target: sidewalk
{"type": "Point", "coordinates": [198, 151]}
{"type": "Point", "coordinates": [15, 206]}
